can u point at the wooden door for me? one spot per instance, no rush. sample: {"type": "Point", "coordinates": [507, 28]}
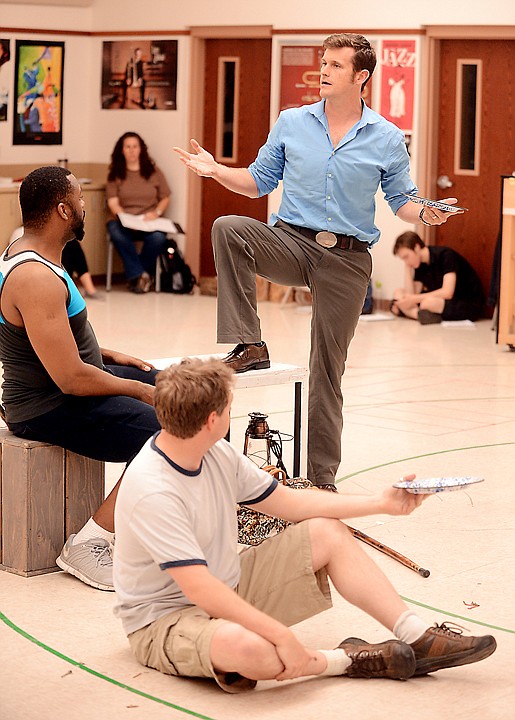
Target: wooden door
{"type": "Point", "coordinates": [234, 130]}
{"type": "Point", "coordinates": [476, 83]}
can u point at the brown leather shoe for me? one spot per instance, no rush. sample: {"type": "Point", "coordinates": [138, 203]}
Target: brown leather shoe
{"type": "Point", "coordinates": [390, 659]}
{"type": "Point", "coordinates": [442, 646]}
{"type": "Point", "coordinates": [248, 357]}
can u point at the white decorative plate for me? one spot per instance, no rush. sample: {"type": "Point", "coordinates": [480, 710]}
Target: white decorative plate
{"type": "Point", "coordinates": [429, 486]}
{"type": "Point", "coordinates": [434, 203]}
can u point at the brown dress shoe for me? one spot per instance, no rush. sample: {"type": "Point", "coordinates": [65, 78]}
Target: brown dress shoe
{"type": "Point", "coordinates": [390, 659]}
{"type": "Point", "coordinates": [443, 647]}
{"type": "Point", "coordinates": [248, 357]}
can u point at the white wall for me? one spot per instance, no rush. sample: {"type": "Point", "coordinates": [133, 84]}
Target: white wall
{"type": "Point", "coordinates": [161, 129]}
{"type": "Point", "coordinates": [123, 14]}
{"type": "Point", "coordinates": [90, 132]}
{"type": "Point", "coordinates": [77, 101]}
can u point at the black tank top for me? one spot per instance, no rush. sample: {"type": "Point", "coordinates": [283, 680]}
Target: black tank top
{"type": "Point", "coordinates": [27, 389]}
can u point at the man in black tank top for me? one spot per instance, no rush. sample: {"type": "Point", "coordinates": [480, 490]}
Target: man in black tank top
{"type": "Point", "coordinates": [59, 386]}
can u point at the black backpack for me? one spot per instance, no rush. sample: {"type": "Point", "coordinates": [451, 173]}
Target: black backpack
{"type": "Point", "coordinates": [176, 275]}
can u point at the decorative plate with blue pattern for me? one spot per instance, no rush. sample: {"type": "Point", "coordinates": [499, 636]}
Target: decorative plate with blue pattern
{"type": "Point", "coordinates": [428, 486]}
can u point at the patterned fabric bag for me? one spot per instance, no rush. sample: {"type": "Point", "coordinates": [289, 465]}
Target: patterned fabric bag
{"type": "Point", "coordinates": [254, 526]}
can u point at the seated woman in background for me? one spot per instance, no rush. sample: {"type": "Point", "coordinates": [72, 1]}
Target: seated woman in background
{"type": "Point", "coordinates": [136, 186]}
{"type": "Point", "coordinates": [439, 283]}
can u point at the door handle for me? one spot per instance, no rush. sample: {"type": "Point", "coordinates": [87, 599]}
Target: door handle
{"type": "Point", "coordinates": [444, 182]}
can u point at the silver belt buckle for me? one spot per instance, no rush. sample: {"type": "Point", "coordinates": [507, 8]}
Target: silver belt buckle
{"type": "Point", "coordinates": [326, 239]}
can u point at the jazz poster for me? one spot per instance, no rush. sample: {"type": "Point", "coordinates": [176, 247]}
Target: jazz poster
{"type": "Point", "coordinates": [398, 62]}
{"type": "Point", "coordinates": [38, 78]}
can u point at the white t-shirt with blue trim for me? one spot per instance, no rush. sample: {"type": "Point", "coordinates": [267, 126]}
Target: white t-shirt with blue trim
{"type": "Point", "coordinates": [168, 517]}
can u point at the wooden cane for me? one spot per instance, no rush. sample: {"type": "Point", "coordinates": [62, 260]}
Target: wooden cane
{"type": "Point", "coordinates": [389, 551]}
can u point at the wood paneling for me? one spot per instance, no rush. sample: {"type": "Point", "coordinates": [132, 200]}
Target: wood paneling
{"type": "Point", "coordinates": [254, 118]}
{"type": "Point", "coordinates": [474, 234]}
{"type": "Point", "coordinates": [47, 494]}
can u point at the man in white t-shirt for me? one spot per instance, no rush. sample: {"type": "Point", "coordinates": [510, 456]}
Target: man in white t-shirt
{"type": "Point", "coordinates": [192, 606]}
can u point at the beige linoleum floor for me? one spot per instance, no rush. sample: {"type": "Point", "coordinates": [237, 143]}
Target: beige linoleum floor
{"type": "Point", "coordinates": [431, 400]}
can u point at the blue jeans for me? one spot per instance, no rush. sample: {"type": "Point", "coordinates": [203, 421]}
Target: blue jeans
{"type": "Point", "coordinates": [154, 243]}
{"type": "Point", "coordinates": [111, 428]}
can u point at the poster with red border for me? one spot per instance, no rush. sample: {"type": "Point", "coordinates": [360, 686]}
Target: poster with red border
{"type": "Point", "coordinates": [398, 62]}
{"type": "Point", "coordinates": [300, 75]}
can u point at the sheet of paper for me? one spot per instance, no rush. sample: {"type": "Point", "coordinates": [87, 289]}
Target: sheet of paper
{"type": "Point", "coordinates": [136, 222]}
{"type": "Point", "coordinates": [376, 317]}
{"type": "Point", "coordinates": [458, 323]}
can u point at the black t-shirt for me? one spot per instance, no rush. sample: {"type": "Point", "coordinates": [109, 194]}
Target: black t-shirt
{"type": "Point", "coordinates": [443, 260]}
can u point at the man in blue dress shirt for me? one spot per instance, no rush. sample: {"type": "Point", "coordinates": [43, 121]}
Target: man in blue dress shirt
{"type": "Point", "coordinates": [331, 157]}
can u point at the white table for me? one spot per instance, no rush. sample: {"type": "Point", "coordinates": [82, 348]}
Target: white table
{"type": "Point", "coordinates": [276, 374]}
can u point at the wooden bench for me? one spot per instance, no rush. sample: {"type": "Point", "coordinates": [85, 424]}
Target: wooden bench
{"type": "Point", "coordinates": [47, 493]}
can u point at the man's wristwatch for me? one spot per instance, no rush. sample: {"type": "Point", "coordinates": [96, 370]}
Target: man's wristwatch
{"type": "Point", "coordinates": [421, 216]}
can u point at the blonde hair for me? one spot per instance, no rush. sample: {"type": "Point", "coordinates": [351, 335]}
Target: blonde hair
{"type": "Point", "coordinates": [187, 393]}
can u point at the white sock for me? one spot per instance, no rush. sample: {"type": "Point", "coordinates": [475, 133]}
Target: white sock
{"type": "Point", "coordinates": [337, 661]}
{"type": "Point", "coordinates": [409, 627]}
{"type": "Point", "coordinates": [92, 530]}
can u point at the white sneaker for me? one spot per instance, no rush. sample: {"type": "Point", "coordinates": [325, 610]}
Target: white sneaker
{"type": "Point", "coordinates": [91, 562]}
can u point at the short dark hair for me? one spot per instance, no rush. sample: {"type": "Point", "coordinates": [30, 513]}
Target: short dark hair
{"type": "Point", "coordinates": [187, 393]}
{"type": "Point", "coordinates": [408, 239]}
{"type": "Point", "coordinates": [364, 54]}
{"type": "Point", "coordinates": [40, 192]}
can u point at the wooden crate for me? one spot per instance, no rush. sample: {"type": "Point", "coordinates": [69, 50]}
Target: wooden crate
{"type": "Point", "coordinates": [47, 494]}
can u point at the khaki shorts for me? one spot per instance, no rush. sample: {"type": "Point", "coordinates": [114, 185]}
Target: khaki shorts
{"type": "Point", "coordinates": [276, 577]}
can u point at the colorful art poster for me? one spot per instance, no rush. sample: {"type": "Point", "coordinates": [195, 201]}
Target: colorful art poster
{"type": "Point", "coordinates": [38, 78]}
{"type": "Point", "coordinates": [300, 76]}
{"type": "Point", "coordinates": [5, 56]}
{"type": "Point", "coordinates": [398, 62]}
{"type": "Point", "coordinates": [139, 75]}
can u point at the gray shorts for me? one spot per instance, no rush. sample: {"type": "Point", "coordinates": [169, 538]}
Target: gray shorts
{"type": "Point", "coordinates": [276, 577]}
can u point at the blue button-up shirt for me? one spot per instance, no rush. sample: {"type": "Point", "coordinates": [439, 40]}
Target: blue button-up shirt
{"type": "Point", "coordinates": [328, 188]}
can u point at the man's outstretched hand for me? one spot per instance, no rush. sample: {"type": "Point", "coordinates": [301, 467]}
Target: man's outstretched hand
{"type": "Point", "coordinates": [200, 162]}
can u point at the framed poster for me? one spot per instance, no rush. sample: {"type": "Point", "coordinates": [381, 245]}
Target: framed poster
{"type": "Point", "coordinates": [300, 75]}
{"type": "Point", "coordinates": [139, 75]}
{"type": "Point", "coordinates": [5, 55]}
{"type": "Point", "coordinates": [38, 78]}
{"type": "Point", "coordinates": [398, 61]}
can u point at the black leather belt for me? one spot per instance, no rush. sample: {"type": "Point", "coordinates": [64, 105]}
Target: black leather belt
{"type": "Point", "coordinates": [331, 240]}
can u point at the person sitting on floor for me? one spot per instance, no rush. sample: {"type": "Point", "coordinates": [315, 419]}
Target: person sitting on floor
{"type": "Point", "coordinates": [439, 283]}
{"type": "Point", "coordinates": [192, 606]}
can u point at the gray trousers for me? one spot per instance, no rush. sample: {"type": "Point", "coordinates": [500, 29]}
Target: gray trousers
{"type": "Point", "coordinates": [338, 279]}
